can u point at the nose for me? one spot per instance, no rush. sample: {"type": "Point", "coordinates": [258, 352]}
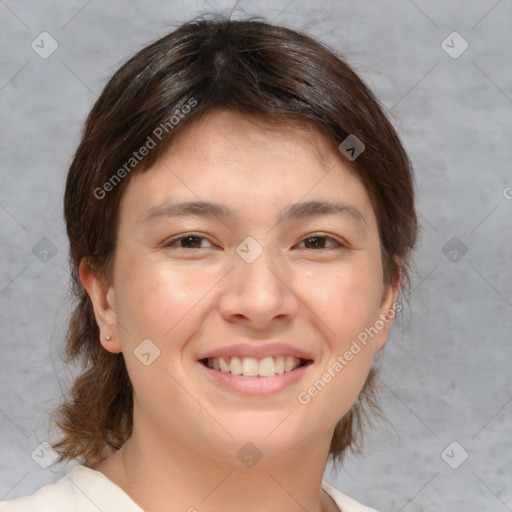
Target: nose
{"type": "Point", "coordinates": [259, 294]}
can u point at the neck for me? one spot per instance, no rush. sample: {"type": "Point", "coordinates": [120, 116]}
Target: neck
{"type": "Point", "coordinates": [181, 477]}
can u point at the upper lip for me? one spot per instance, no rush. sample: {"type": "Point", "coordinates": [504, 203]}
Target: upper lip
{"type": "Point", "coordinates": [259, 351]}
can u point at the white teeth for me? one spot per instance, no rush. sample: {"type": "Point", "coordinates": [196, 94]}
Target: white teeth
{"type": "Point", "coordinates": [252, 367]}
{"type": "Point", "coordinates": [279, 365]}
{"type": "Point", "coordinates": [236, 366]}
{"type": "Point", "coordinates": [224, 366]}
{"type": "Point", "coordinates": [288, 364]}
{"type": "Point", "coordinates": [266, 367]}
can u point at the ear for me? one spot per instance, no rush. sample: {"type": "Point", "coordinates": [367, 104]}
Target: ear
{"type": "Point", "coordinates": [103, 301]}
{"type": "Point", "coordinates": [388, 309]}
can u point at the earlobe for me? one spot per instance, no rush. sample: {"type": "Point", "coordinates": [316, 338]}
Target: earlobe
{"type": "Point", "coordinates": [103, 302]}
{"type": "Point", "coordinates": [387, 311]}
{"type": "Point", "coordinates": [390, 296]}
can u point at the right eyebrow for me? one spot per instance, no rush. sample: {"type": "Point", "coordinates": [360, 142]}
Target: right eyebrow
{"type": "Point", "coordinates": [199, 208]}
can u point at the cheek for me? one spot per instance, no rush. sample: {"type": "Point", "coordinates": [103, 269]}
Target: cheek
{"type": "Point", "coordinates": [154, 307]}
{"type": "Point", "coordinates": [346, 299]}
{"type": "Point", "coordinates": [347, 304]}
{"type": "Point", "coordinates": [153, 299]}
{"type": "Point", "coordinates": [163, 304]}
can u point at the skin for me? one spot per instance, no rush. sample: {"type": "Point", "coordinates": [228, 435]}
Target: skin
{"type": "Point", "coordinates": [315, 294]}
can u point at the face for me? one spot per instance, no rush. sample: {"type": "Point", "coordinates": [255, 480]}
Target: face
{"type": "Point", "coordinates": [272, 269]}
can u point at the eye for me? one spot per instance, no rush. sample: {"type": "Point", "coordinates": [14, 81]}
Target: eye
{"type": "Point", "coordinates": [315, 241]}
{"type": "Point", "coordinates": [190, 241]}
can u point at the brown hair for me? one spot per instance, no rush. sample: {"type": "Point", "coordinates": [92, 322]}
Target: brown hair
{"type": "Point", "coordinates": [248, 66]}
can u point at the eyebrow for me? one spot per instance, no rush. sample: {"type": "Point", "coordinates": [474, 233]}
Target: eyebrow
{"type": "Point", "coordinates": [291, 212]}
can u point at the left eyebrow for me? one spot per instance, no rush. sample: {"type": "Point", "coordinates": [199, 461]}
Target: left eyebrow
{"type": "Point", "coordinates": [291, 212]}
{"type": "Point", "coordinates": [318, 208]}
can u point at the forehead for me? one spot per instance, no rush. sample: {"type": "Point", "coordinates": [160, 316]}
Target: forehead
{"type": "Point", "coordinates": [246, 162]}
{"type": "Point", "coordinates": [225, 134]}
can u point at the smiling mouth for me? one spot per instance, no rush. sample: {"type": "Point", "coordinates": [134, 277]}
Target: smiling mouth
{"type": "Point", "coordinates": [253, 367]}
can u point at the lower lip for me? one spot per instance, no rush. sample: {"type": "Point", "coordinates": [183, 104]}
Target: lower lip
{"type": "Point", "coordinates": [256, 385]}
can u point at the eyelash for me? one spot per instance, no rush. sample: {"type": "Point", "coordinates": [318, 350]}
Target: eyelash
{"type": "Point", "coordinates": [170, 244]}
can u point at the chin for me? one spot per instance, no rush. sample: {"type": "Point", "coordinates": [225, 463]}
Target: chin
{"type": "Point", "coordinates": [273, 433]}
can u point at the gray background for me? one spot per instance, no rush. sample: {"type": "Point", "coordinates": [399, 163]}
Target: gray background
{"type": "Point", "coordinates": [446, 371]}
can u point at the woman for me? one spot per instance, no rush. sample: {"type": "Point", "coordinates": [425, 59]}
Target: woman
{"type": "Point", "coordinates": [240, 215]}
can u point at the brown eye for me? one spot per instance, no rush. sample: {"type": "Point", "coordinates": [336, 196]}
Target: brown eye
{"type": "Point", "coordinates": [320, 241]}
{"type": "Point", "coordinates": [186, 242]}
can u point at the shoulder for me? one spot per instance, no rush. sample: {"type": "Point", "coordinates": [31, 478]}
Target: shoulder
{"type": "Point", "coordinates": [81, 490]}
{"type": "Point", "coordinates": [344, 502]}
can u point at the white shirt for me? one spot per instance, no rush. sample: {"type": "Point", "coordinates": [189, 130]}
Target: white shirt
{"type": "Point", "coordinates": [86, 490]}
